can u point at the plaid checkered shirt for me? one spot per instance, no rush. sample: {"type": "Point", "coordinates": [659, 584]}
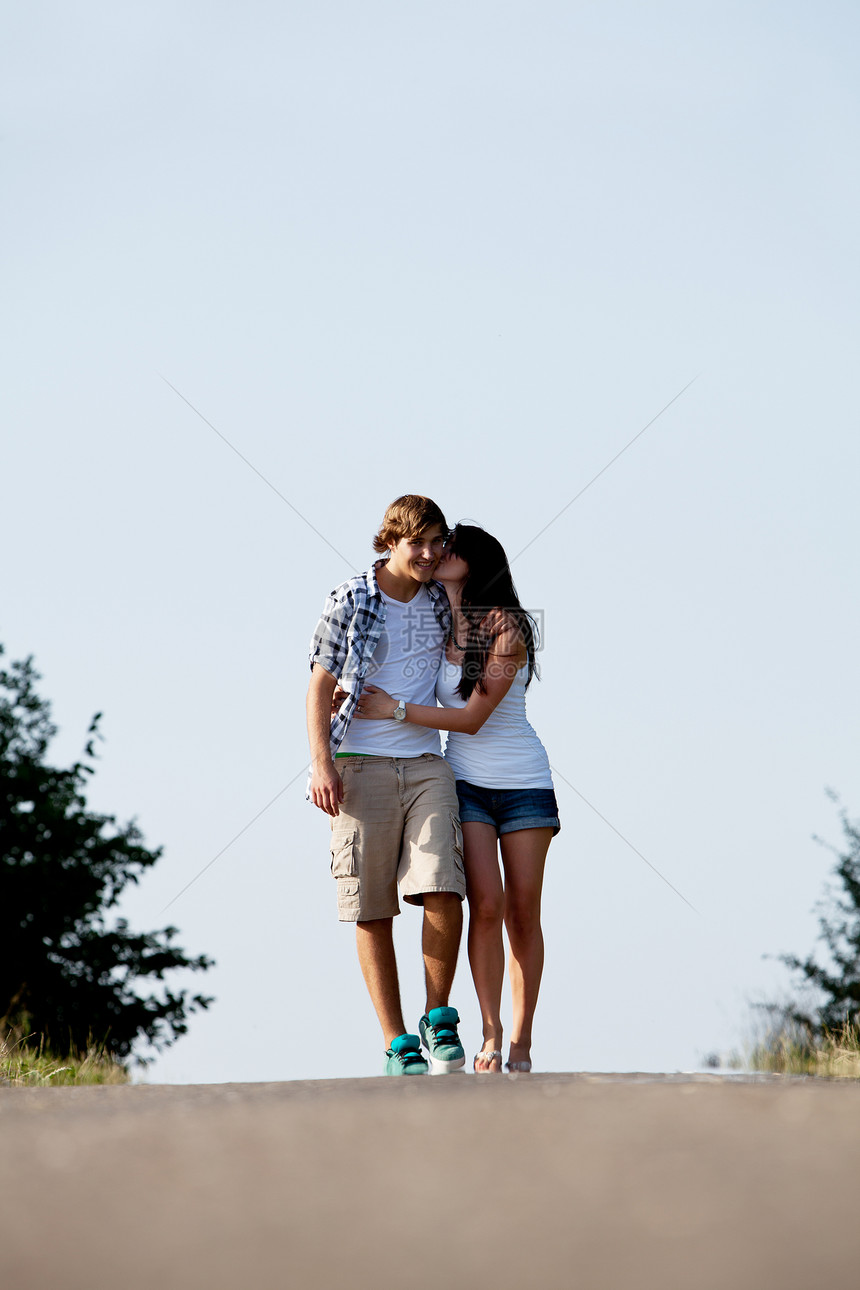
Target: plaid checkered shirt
{"type": "Point", "coordinates": [348, 632]}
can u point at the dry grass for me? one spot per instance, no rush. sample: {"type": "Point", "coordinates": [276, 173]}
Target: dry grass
{"type": "Point", "coordinates": [25, 1063]}
{"type": "Point", "coordinates": [837, 1055]}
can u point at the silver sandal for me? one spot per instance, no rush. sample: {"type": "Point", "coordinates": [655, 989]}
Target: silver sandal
{"type": "Point", "coordinates": [518, 1068]}
{"type": "Point", "coordinates": [487, 1057]}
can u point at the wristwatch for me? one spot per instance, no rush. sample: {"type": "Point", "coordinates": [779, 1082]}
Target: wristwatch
{"type": "Point", "coordinates": [400, 711]}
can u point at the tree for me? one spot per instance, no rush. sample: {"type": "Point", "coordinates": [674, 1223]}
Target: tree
{"type": "Point", "coordinates": [838, 980]}
{"type": "Point", "coordinates": [66, 971]}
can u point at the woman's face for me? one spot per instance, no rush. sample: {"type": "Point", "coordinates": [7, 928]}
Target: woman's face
{"type": "Point", "coordinates": [452, 568]}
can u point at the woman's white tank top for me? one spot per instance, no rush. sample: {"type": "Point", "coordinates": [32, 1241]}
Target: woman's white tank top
{"type": "Point", "coordinates": [506, 752]}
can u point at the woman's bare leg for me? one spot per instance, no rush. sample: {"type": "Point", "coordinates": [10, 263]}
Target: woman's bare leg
{"type": "Point", "coordinates": [523, 856]}
{"type": "Point", "coordinates": [486, 897]}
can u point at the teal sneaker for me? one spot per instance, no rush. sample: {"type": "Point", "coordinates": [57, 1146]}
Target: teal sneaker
{"type": "Point", "coordinates": [404, 1057]}
{"type": "Point", "coordinates": [439, 1036]}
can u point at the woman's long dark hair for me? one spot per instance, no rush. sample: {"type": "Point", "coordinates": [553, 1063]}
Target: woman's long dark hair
{"type": "Point", "coordinates": [488, 586]}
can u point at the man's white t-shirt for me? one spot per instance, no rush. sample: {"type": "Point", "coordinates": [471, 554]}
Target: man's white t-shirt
{"type": "Point", "coordinates": [406, 664]}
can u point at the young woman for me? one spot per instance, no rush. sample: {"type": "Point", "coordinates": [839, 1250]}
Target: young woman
{"type": "Point", "coordinates": [504, 784]}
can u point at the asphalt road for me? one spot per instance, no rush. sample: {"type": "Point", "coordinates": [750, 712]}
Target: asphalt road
{"type": "Point", "coordinates": [586, 1181]}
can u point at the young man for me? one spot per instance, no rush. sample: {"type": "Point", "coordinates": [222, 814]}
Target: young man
{"type": "Point", "coordinates": [388, 790]}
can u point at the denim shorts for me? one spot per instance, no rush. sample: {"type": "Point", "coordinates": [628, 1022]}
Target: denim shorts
{"type": "Point", "coordinates": [508, 809]}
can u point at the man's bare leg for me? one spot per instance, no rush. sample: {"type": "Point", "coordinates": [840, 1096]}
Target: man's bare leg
{"type": "Point", "coordinates": [440, 942]}
{"type": "Point", "coordinates": [375, 944]}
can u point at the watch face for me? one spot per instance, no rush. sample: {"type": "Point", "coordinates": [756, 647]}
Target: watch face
{"type": "Point", "coordinates": [400, 711]}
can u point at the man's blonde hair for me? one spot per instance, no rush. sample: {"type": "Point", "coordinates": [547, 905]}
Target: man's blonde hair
{"type": "Point", "coordinates": [408, 517]}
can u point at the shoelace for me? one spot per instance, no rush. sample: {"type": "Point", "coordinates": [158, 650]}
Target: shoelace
{"type": "Point", "coordinates": [445, 1036]}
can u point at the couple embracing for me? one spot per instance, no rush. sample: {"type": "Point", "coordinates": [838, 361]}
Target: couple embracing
{"type": "Point", "coordinates": [431, 638]}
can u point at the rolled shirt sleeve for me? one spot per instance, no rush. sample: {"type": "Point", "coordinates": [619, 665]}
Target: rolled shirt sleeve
{"type": "Point", "coordinates": [329, 644]}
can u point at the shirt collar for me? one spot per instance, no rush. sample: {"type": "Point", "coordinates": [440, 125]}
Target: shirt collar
{"type": "Point", "coordinates": [371, 578]}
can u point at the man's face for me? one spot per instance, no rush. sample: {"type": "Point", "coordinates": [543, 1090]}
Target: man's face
{"type": "Point", "coordinates": [417, 559]}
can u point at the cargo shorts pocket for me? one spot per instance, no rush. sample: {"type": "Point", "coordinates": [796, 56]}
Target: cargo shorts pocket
{"type": "Point", "coordinates": [458, 844]}
{"type": "Point", "coordinates": [345, 871]}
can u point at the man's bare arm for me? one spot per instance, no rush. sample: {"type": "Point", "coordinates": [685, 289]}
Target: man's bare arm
{"type": "Point", "coordinates": [326, 784]}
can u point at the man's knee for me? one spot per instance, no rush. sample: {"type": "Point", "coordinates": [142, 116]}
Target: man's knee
{"type": "Point", "coordinates": [443, 911]}
{"type": "Point", "coordinates": [443, 900]}
{"type": "Point", "coordinates": [378, 928]}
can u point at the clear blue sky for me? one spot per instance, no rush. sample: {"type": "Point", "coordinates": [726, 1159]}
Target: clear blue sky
{"type": "Point", "coordinates": [469, 250]}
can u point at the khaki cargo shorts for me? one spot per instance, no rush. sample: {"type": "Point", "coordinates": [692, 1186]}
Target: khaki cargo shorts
{"type": "Point", "coordinates": [398, 824]}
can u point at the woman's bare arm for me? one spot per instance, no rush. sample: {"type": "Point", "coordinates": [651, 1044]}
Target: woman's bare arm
{"type": "Point", "coordinates": [507, 656]}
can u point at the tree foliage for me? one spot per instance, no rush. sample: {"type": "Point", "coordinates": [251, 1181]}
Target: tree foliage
{"type": "Point", "coordinates": [68, 971]}
{"type": "Point", "coordinates": [837, 980]}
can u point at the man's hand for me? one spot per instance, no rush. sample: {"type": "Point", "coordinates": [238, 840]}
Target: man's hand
{"type": "Point", "coordinates": [326, 785]}
{"type": "Point", "coordinates": [326, 788]}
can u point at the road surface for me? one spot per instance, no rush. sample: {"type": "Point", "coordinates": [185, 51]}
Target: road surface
{"type": "Point", "coordinates": [496, 1182]}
